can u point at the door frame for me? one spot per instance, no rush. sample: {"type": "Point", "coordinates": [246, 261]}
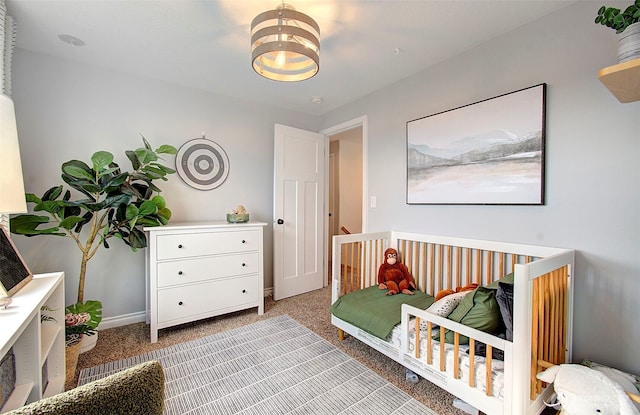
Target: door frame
{"type": "Point", "coordinates": [361, 121]}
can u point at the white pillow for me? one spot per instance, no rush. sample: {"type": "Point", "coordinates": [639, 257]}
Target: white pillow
{"type": "Point", "coordinates": [444, 306]}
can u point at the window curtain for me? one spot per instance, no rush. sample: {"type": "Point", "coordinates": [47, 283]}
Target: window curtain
{"type": "Point", "coordinates": [7, 44]}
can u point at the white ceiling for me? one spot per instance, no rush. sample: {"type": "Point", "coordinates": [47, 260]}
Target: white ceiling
{"type": "Point", "coordinates": [365, 44]}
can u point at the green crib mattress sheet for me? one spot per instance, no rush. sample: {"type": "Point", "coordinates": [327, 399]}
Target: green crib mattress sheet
{"type": "Point", "coordinates": [375, 312]}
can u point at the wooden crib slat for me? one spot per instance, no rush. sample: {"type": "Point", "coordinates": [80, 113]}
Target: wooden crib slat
{"type": "Point", "coordinates": [488, 378]}
{"type": "Point", "coordinates": [472, 362]}
{"type": "Point", "coordinates": [534, 335]}
{"type": "Point", "coordinates": [417, 331]}
{"type": "Point", "coordinates": [429, 343]}
{"type": "Point", "coordinates": [564, 302]}
{"type": "Point", "coordinates": [442, 356]}
{"type": "Point", "coordinates": [422, 284]}
{"type": "Point", "coordinates": [432, 269]}
{"type": "Point", "coordinates": [554, 329]}
{"type": "Point", "coordinates": [478, 273]}
{"type": "Point", "coordinates": [489, 272]}
{"type": "Point", "coordinates": [458, 262]}
{"type": "Point", "coordinates": [448, 274]}
{"type": "Point", "coordinates": [456, 355]}
{"type": "Point", "coordinates": [351, 268]}
{"type": "Point", "coordinates": [468, 266]}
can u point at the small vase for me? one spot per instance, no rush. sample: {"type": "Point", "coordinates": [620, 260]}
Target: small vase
{"type": "Point", "coordinates": [71, 354]}
{"type": "Point", "coordinates": [629, 43]}
{"type": "Point", "coordinates": [89, 342]}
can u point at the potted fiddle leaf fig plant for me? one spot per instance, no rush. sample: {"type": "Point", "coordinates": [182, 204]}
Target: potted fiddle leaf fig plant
{"type": "Point", "coordinates": [627, 25]}
{"type": "Point", "coordinates": [112, 203]}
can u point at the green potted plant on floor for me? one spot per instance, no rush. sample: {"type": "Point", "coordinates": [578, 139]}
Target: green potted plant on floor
{"type": "Point", "coordinates": [627, 25]}
{"type": "Point", "coordinates": [113, 203]}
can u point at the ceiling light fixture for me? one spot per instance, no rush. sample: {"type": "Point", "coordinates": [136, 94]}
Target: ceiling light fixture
{"type": "Point", "coordinates": [285, 45]}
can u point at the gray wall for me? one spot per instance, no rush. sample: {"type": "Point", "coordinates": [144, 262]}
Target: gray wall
{"type": "Point", "coordinates": [592, 177]}
{"type": "Point", "coordinates": [67, 110]}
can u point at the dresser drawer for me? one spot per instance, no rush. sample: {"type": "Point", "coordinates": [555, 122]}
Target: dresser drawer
{"type": "Point", "coordinates": [198, 244]}
{"type": "Point", "coordinates": [184, 301]}
{"type": "Point", "coordinates": [207, 268]}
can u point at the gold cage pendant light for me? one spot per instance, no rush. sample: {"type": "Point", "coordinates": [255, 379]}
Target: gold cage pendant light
{"type": "Point", "coordinates": [285, 45]}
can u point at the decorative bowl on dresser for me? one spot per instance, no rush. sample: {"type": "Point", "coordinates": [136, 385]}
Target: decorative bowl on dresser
{"type": "Point", "coordinates": [197, 270]}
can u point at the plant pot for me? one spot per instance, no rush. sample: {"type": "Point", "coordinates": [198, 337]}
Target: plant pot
{"type": "Point", "coordinates": [71, 354]}
{"type": "Point", "coordinates": [629, 43]}
{"type": "Point", "coordinates": [88, 342]}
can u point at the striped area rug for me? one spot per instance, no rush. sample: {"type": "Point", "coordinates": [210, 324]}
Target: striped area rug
{"type": "Point", "coordinates": [275, 366]}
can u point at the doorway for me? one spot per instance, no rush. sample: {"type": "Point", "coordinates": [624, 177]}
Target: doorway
{"type": "Point", "coordinates": [346, 182]}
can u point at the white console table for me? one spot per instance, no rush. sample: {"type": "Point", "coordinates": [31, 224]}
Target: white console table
{"type": "Point", "coordinates": [38, 346]}
{"type": "Point", "coordinates": [197, 270]}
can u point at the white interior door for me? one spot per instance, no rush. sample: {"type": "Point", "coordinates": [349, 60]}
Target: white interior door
{"type": "Point", "coordinates": [299, 200]}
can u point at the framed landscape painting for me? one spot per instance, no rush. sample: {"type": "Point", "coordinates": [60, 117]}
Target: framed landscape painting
{"type": "Point", "coordinates": [486, 153]}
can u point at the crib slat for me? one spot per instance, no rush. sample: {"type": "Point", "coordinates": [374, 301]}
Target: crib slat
{"type": "Point", "coordinates": [448, 271]}
{"type": "Point", "coordinates": [442, 357]}
{"type": "Point", "coordinates": [432, 268]}
{"type": "Point", "coordinates": [488, 378]}
{"type": "Point", "coordinates": [565, 290]}
{"type": "Point", "coordinates": [489, 272]}
{"type": "Point", "coordinates": [472, 363]}
{"type": "Point", "coordinates": [468, 266]}
{"type": "Point", "coordinates": [421, 279]}
{"type": "Point", "coordinates": [456, 356]}
{"type": "Point", "coordinates": [458, 262]}
{"type": "Point", "coordinates": [534, 335]}
{"type": "Point", "coordinates": [429, 343]}
{"type": "Point", "coordinates": [417, 331]}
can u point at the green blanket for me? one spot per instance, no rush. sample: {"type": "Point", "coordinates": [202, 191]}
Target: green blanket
{"type": "Point", "coordinates": [375, 312]}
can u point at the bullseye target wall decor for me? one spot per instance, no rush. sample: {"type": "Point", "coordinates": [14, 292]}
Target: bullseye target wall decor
{"type": "Point", "coordinates": [202, 164]}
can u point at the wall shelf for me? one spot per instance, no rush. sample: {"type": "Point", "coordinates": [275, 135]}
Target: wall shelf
{"type": "Point", "coordinates": [623, 80]}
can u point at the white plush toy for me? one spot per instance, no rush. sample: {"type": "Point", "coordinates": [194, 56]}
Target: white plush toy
{"type": "Point", "coordinates": [584, 391]}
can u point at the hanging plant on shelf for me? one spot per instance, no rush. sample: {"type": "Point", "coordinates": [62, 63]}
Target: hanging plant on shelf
{"type": "Point", "coordinates": [618, 20]}
{"type": "Point", "coordinates": [115, 203]}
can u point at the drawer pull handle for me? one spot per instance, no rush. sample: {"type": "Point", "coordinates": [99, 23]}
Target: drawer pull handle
{"type": "Point", "coordinates": [179, 272]}
{"type": "Point", "coordinates": [244, 291]}
{"type": "Point", "coordinates": [244, 265]}
{"type": "Point", "coordinates": [180, 246]}
{"type": "Point", "coordinates": [244, 242]}
{"type": "Point", "coordinates": [179, 302]}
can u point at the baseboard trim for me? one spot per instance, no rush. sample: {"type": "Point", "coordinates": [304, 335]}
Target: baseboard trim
{"type": "Point", "coordinates": [141, 316]}
{"type": "Point", "coordinates": [123, 320]}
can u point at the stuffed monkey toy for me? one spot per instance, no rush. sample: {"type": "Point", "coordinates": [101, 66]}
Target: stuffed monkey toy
{"type": "Point", "coordinates": [394, 276]}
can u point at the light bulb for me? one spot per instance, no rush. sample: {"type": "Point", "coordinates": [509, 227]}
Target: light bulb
{"type": "Point", "coordinates": [281, 59]}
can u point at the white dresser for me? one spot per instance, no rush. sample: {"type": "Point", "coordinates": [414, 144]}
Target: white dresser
{"type": "Point", "coordinates": [197, 270]}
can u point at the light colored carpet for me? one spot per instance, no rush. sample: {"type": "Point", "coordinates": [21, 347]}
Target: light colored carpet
{"type": "Point", "coordinates": [310, 309]}
{"type": "Point", "coordinates": [274, 366]}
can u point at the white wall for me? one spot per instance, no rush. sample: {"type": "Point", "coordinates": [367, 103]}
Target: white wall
{"type": "Point", "coordinates": [592, 177]}
{"type": "Point", "coordinates": [67, 110]}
